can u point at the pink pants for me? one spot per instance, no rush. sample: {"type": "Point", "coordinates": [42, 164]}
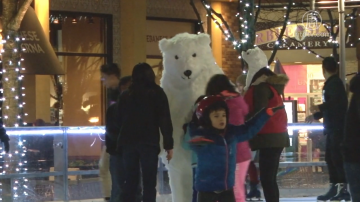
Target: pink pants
{"type": "Point", "coordinates": [240, 175]}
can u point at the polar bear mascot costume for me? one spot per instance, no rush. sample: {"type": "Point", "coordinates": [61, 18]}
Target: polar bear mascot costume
{"type": "Point", "coordinates": [256, 59]}
{"type": "Point", "coordinates": [188, 66]}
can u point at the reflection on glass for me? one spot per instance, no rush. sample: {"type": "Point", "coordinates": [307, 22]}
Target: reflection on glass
{"type": "Point", "coordinates": [85, 36]}
{"type": "Point", "coordinates": [82, 91]}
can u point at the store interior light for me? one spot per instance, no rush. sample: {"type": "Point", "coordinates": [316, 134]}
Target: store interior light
{"type": "Point", "coordinates": [94, 120]}
{"type": "Point", "coordinates": [297, 62]}
{"type": "Point", "coordinates": [56, 21]}
{"type": "Point", "coordinates": [74, 20]}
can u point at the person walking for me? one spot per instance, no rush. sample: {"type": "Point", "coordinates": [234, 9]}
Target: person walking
{"type": "Point", "coordinates": [333, 111]}
{"type": "Point", "coordinates": [351, 143]}
{"type": "Point", "coordinates": [265, 90]}
{"type": "Point", "coordinates": [143, 110]}
{"type": "Point", "coordinates": [110, 164]}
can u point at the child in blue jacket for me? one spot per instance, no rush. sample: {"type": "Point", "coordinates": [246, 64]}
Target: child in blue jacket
{"type": "Point", "coordinates": [214, 143]}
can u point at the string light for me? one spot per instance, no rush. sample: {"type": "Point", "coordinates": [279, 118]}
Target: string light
{"type": "Point", "coordinates": [229, 36]}
{"type": "Point", "coordinates": [12, 98]}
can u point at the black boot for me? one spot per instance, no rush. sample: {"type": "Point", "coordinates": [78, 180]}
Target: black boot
{"type": "Point", "coordinates": [342, 193]}
{"type": "Point", "coordinates": [331, 193]}
{"type": "Point", "coordinates": [254, 192]}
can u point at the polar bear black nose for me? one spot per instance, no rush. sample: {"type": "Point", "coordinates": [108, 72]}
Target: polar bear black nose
{"type": "Point", "coordinates": [187, 73]}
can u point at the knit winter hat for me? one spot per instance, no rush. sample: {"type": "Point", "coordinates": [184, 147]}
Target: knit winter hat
{"type": "Point", "coordinates": [256, 59]}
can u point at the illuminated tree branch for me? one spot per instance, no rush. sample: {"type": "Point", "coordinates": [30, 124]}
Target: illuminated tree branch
{"type": "Point", "coordinates": [281, 32]}
{"type": "Point", "coordinates": [197, 16]}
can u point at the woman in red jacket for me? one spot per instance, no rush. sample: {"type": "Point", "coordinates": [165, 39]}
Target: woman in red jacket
{"type": "Point", "coordinates": [265, 90]}
{"type": "Point", "coordinates": [238, 109]}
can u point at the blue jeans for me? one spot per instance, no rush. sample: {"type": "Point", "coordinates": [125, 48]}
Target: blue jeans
{"type": "Point", "coordinates": [118, 180]}
{"type": "Point", "coordinates": [352, 171]}
{"type": "Point", "coordinates": [195, 193]}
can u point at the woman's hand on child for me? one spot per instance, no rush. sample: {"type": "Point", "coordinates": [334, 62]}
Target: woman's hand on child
{"type": "Point", "coordinates": [169, 155]}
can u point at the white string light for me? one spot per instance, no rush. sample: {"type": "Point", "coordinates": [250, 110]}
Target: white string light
{"type": "Point", "coordinates": [16, 158]}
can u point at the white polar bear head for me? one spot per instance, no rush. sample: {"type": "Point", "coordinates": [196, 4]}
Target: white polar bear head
{"type": "Point", "coordinates": [256, 59]}
{"type": "Point", "coordinates": [185, 57]}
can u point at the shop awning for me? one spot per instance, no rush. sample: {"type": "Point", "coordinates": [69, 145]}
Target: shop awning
{"type": "Point", "coordinates": [39, 56]}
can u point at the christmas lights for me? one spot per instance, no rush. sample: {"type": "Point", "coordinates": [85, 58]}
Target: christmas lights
{"type": "Point", "coordinates": [244, 37]}
{"type": "Point", "coordinates": [12, 111]}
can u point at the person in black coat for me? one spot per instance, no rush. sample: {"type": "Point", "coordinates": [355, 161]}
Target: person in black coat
{"type": "Point", "coordinates": [351, 143]}
{"type": "Point", "coordinates": [143, 110]}
{"type": "Point", "coordinates": [111, 161]}
{"type": "Point", "coordinates": [333, 110]}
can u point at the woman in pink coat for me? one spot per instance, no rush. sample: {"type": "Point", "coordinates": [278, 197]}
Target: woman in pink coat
{"type": "Point", "coordinates": [220, 84]}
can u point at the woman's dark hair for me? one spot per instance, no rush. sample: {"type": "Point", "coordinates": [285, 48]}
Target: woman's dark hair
{"type": "Point", "coordinates": [219, 83]}
{"type": "Point", "coordinates": [110, 69]}
{"type": "Point", "coordinates": [143, 80]}
{"type": "Point", "coordinates": [143, 73]}
{"type": "Point", "coordinates": [263, 71]}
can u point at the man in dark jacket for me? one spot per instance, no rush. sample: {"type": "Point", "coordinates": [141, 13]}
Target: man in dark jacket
{"type": "Point", "coordinates": [351, 143]}
{"type": "Point", "coordinates": [333, 110]}
{"type": "Point", "coordinates": [112, 160]}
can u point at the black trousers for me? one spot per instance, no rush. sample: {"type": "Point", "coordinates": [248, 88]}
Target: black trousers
{"type": "Point", "coordinates": [144, 157]}
{"type": "Point", "coordinates": [269, 159]}
{"type": "Point", "coordinates": [225, 196]}
{"type": "Point", "coordinates": [334, 159]}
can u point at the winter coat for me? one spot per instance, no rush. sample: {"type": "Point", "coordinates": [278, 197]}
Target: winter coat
{"type": "Point", "coordinates": [333, 109]}
{"type": "Point", "coordinates": [351, 143]}
{"type": "Point", "coordinates": [217, 159]}
{"type": "Point", "coordinates": [185, 144]}
{"type": "Point", "coordinates": [142, 112]}
{"type": "Point", "coordinates": [111, 129]}
{"type": "Point", "coordinates": [111, 124]}
{"type": "Point", "coordinates": [238, 109]}
{"type": "Point", "coordinates": [267, 94]}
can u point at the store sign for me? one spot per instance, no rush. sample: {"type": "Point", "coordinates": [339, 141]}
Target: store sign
{"type": "Point", "coordinates": [298, 78]}
{"type": "Point", "coordinates": [159, 29]}
{"type": "Point", "coordinates": [39, 56]}
{"type": "Point", "coordinates": [296, 35]}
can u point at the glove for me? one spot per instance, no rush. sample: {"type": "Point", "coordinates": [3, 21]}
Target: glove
{"type": "Point", "coordinates": [275, 109]}
{"type": "Point", "coordinates": [5, 139]}
{"type": "Point", "coordinates": [272, 111]}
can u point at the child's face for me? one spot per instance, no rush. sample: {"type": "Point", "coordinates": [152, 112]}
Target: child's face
{"type": "Point", "coordinates": [218, 119]}
{"type": "Point", "coordinates": [240, 87]}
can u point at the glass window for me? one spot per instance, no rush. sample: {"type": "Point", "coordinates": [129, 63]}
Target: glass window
{"type": "Point", "coordinates": [78, 34]}
{"type": "Point", "coordinates": [82, 44]}
{"type": "Point", "coordinates": [82, 90]}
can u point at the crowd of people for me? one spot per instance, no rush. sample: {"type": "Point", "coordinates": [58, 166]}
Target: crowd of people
{"type": "Point", "coordinates": [228, 122]}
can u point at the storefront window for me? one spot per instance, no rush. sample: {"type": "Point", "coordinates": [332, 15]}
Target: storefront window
{"type": "Point", "coordinates": [82, 45]}
{"type": "Point", "coordinates": [303, 90]}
